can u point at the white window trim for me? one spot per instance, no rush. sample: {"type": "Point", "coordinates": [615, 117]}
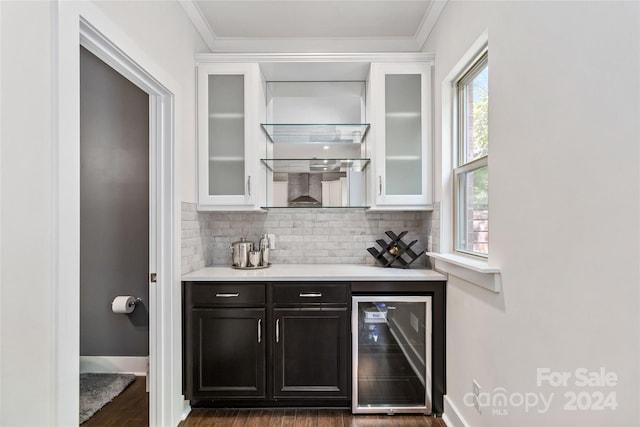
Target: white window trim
{"type": "Point", "coordinates": [472, 269]}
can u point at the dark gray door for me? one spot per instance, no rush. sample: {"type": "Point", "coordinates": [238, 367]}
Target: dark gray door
{"type": "Point", "coordinates": [114, 210]}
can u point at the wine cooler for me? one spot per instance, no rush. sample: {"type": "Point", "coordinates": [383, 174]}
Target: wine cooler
{"type": "Point", "coordinates": [391, 354]}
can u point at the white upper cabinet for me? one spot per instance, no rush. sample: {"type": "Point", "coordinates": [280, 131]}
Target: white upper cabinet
{"type": "Point", "coordinates": [230, 106]}
{"type": "Point", "coordinates": [399, 105]}
{"type": "Point", "coordinates": [268, 123]}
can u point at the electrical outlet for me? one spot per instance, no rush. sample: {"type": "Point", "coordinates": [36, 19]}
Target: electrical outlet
{"type": "Point", "coordinates": [476, 388]}
{"type": "Point", "coordinates": [414, 322]}
{"type": "Point", "coordinates": [272, 241]}
{"type": "Point", "coordinates": [476, 404]}
{"type": "Point", "coordinates": [476, 396]}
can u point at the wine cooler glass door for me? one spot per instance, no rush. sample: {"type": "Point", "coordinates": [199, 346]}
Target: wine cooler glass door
{"type": "Point", "coordinates": [391, 354]}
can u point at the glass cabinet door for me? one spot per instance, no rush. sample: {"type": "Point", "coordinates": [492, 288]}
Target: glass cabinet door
{"type": "Point", "coordinates": [226, 135]}
{"type": "Point", "coordinates": [228, 122]}
{"type": "Point", "coordinates": [391, 354]}
{"type": "Point", "coordinates": [403, 134]}
{"type": "Point", "coordinates": [402, 129]}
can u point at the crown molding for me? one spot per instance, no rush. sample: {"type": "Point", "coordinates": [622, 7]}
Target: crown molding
{"type": "Point", "coordinates": [309, 44]}
{"type": "Point", "coordinates": [429, 21]}
{"type": "Point", "coordinates": [201, 25]}
{"type": "Point", "coordinates": [312, 44]}
{"type": "Point", "coordinates": [316, 57]}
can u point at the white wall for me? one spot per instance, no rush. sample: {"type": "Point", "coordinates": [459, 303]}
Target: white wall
{"type": "Point", "coordinates": [26, 337]}
{"type": "Point", "coordinates": [564, 200]}
{"type": "Point", "coordinates": [158, 36]}
{"type": "Point", "coordinates": [162, 30]}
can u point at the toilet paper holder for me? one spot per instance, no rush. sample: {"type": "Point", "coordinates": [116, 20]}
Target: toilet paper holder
{"type": "Point", "coordinates": [135, 302]}
{"type": "Point", "coordinates": [132, 303]}
{"type": "Point", "coordinates": [125, 304]}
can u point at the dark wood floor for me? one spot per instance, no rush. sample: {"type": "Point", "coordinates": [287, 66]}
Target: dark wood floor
{"type": "Point", "coordinates": [301, 418]}
{"type": "Point", "coordinates": [129, 409]}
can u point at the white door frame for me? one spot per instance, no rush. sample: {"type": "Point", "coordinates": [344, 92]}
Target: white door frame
{"type": "Point", "coordinates": [164, 336]}
{"type": "Point", "coordinates": [160, 203]}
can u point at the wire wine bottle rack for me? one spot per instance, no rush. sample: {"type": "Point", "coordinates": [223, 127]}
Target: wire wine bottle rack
{"type": "Point", "coordinates": [396, 253]}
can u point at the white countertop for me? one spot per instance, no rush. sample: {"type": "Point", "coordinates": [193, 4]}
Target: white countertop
{"type": "Point", "coordinates": [309, 272]}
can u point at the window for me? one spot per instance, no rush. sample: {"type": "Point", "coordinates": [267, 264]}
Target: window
{"type": "Point", "coordinates": [471, 160]}
{"type": "Point", "coordinates": [464, 225]}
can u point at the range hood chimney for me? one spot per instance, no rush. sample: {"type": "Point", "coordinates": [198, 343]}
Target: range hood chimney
{"type": "Point", "coordinates": [303, 184]}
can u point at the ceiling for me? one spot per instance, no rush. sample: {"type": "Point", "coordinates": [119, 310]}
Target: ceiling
{"type": "Point", "coordinates": [314, 25]}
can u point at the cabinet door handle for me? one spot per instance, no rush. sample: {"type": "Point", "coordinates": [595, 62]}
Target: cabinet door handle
{"type": "Point", "coordinates": [380, 186]}
{"type": "Point", "coordinates": [228, 295]}
{"type": "Point", "coordinates": [310, 294]}
{"type": "Point", "coordinates": [259, 330]}
{"type": "Point", "coordinates": [277, 330]}
{"type": "Point", "coordinates": [249, 184]}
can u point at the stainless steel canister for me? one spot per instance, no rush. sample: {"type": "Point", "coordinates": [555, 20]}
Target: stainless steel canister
{"type": "Point", "coordinates": [254, 258]}
{"type": "Point", "coordinates": [240, 252]}
{"type": "Point", "coordinates": [264, 249]}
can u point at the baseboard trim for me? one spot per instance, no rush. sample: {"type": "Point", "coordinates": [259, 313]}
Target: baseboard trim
{"type": "Point", "coordinates": [451, 415]}
{"type": "Point", "coordinates": [115, 364]}
{"type": "Point", "coordinates": [186, 410]}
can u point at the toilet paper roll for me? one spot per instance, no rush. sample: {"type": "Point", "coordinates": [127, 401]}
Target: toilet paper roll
{"type": "Point", "coordinates": [123, 304]}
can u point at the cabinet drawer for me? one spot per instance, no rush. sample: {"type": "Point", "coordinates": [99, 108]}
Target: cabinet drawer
{"type": "Point", "coordinates": [227, 294]}
{"type": "Point", "coordinates": [310, 293]}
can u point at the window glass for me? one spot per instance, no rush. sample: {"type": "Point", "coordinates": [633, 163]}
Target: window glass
{"type": "Point", "coordinates": [473, 216]}
{"type": "Point", "coordinates": [476, 109]}
{"type": "Point", "coordinates": [471, 191]}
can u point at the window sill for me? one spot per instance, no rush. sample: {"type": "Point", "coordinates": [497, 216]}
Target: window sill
{"type": "Point", "coordinates": [472, 270]}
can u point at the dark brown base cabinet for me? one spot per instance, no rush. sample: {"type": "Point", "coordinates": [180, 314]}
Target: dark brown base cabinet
{"type": "Point", "coordinates": [266, 344]}
{"type": "Point", "coordinates": [256, 344]}
{"type": "Point", "coordinates": [230, 353]}
{"type": "Point", "coordinates": [312, 353]}
{"type": "Point", "coordinates": [310, 356]}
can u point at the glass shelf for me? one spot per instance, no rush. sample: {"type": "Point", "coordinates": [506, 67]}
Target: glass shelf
{"type": "Point", "coordinates": [347, 133]}
{"type": "Point", "coordinates": [314, 207]}
{"type": "Point", "coordinates": [316, 165]}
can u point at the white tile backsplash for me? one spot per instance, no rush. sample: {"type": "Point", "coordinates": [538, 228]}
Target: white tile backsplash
{"type": "Point", "coordinates": [314, 236]}
{"type": "Point", "coordinates": [193, 241]}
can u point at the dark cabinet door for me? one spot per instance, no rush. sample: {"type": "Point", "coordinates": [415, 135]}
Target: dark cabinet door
{"type": "Point", "coordinates": [228, 353]}
{"type": "Point", "coordinates": [311, 354]}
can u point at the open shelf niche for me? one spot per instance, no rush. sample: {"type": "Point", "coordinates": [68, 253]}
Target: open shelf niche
{"type": "Point", "coordinates": [316, 145]}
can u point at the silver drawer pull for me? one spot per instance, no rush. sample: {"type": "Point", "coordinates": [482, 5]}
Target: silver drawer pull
{"type": "Point", "coordinates": [310, 294]}
{"type": "Point", "coordinates": [259, 330]}
{"type": "Point", "coordinates": [228, 295]}
{"type": "Point", "coordinates": [277, 330]}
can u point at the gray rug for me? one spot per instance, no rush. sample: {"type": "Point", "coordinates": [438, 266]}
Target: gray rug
{"type": "Point", "coordinates": [96, 390]}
